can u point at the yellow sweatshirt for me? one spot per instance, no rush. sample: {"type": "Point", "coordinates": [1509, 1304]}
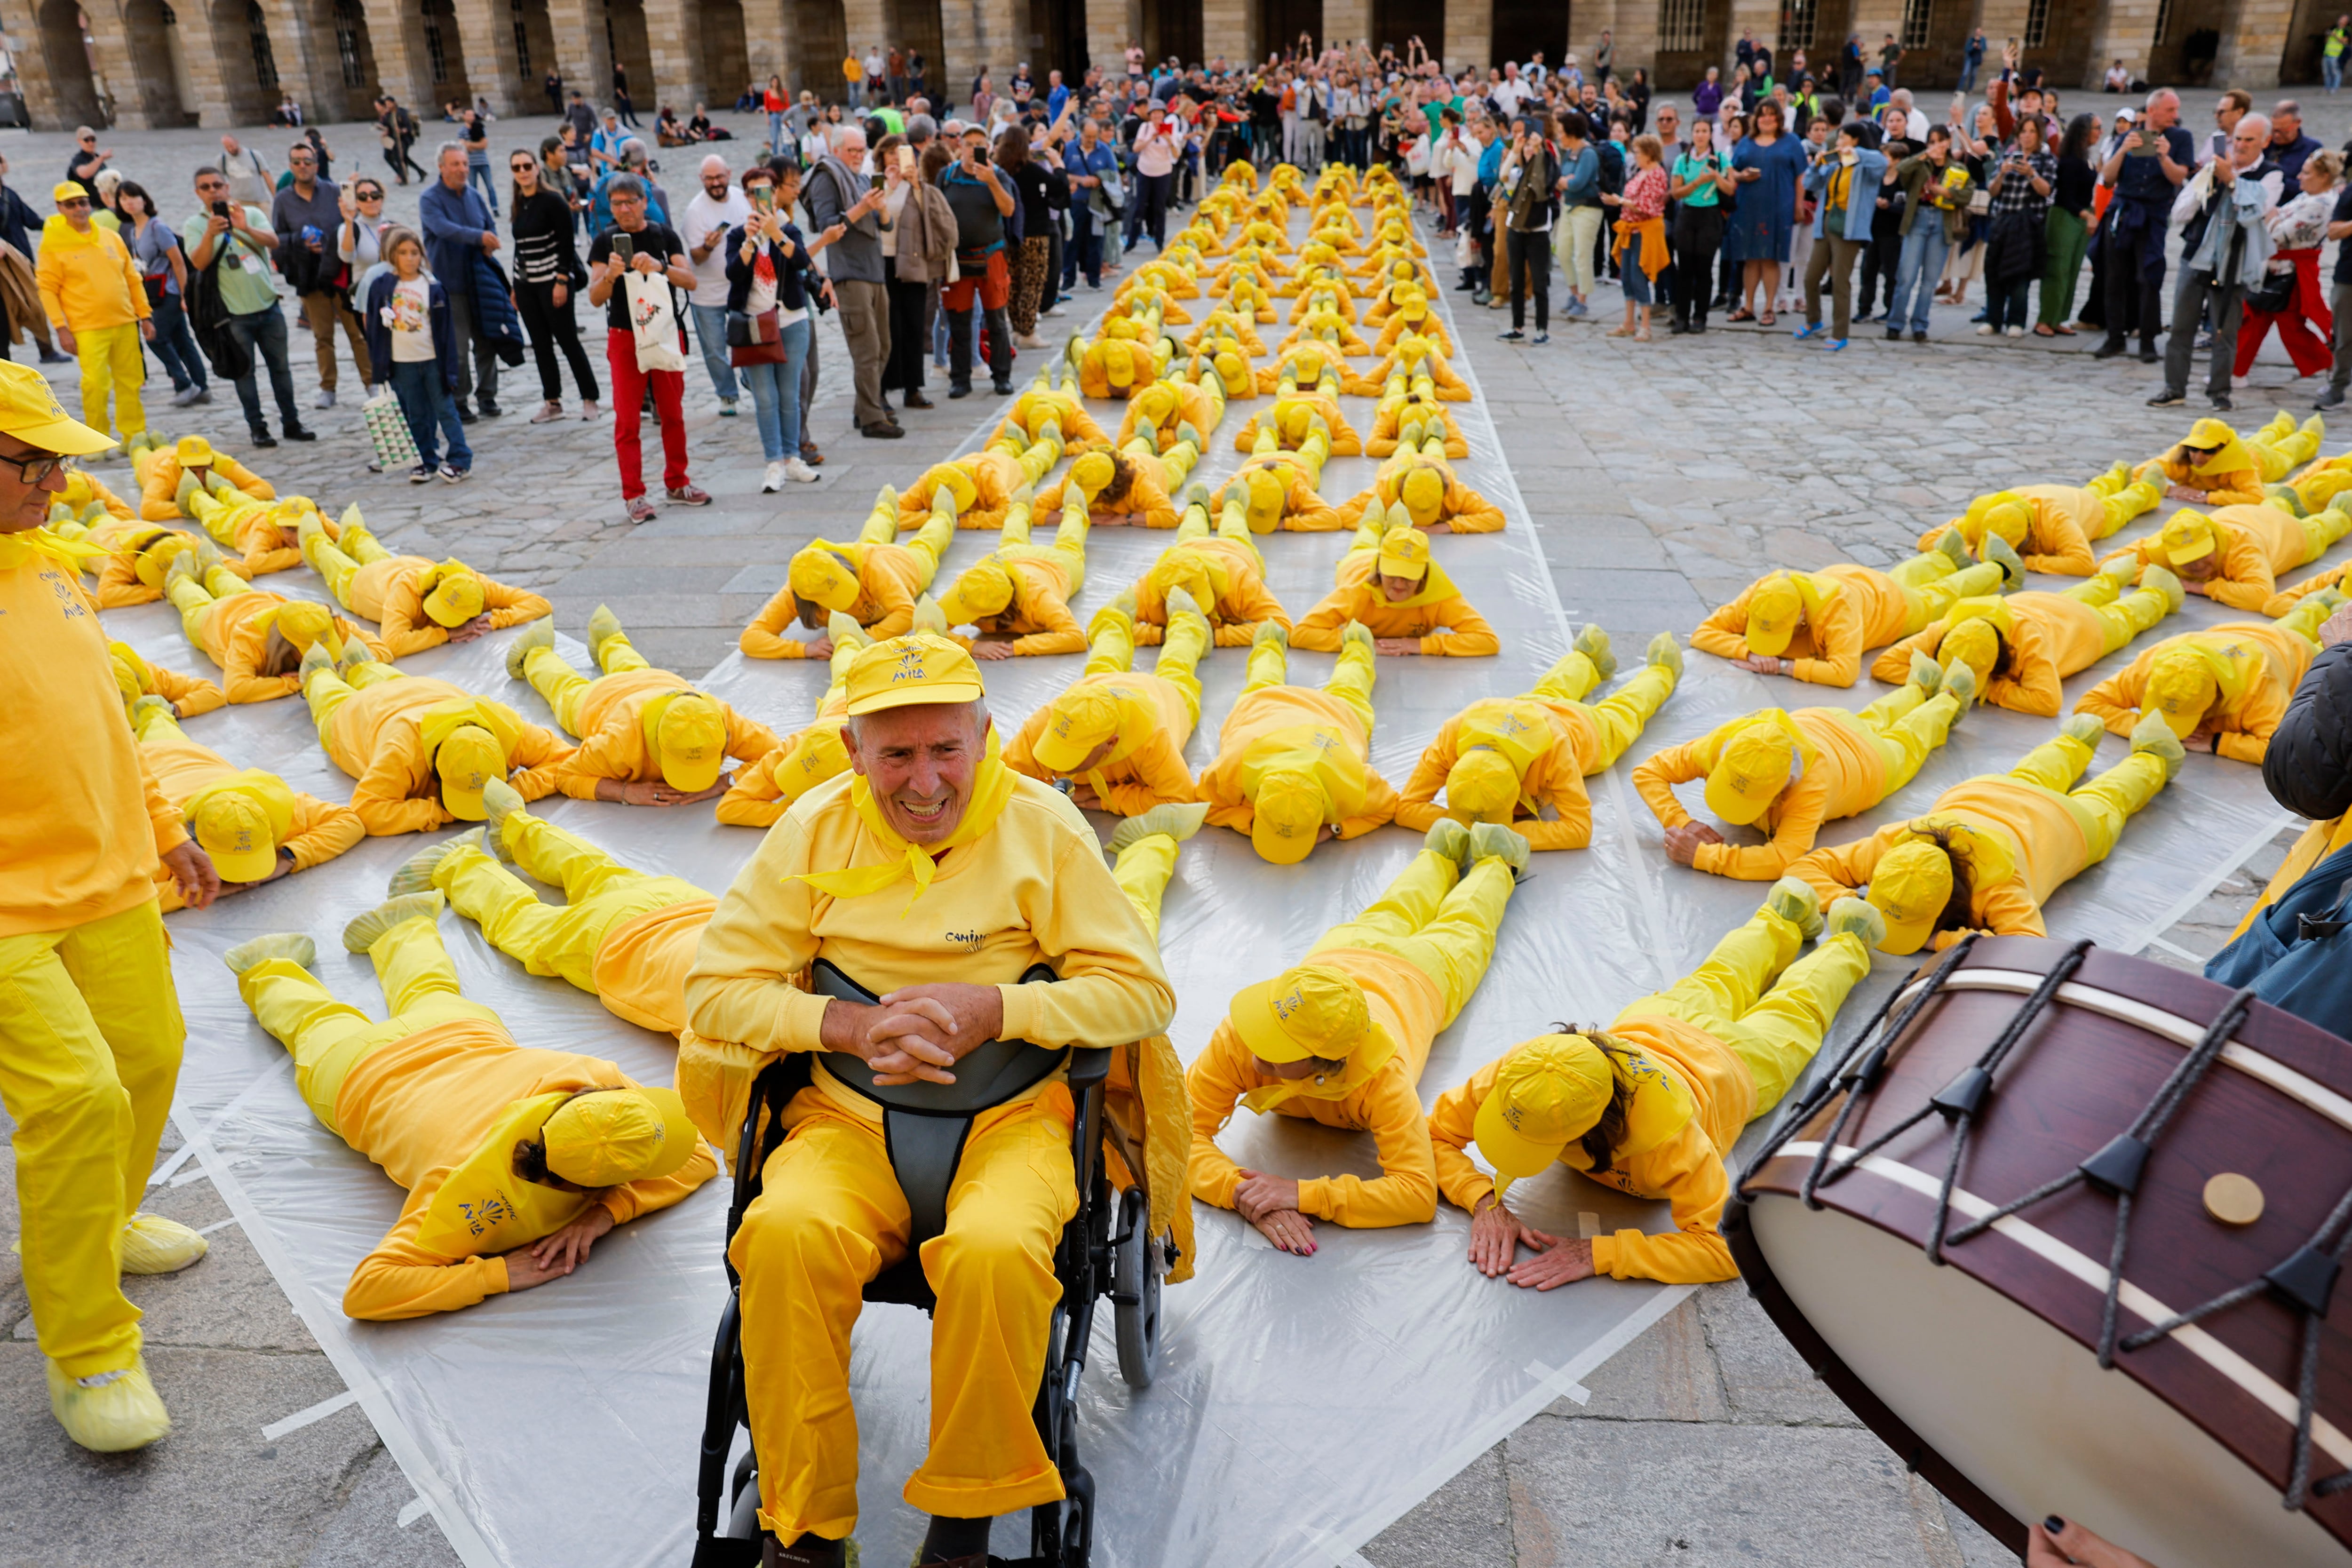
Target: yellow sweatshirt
{"type": "Point", "coordinates": [1234, 617]}
{"type": "Point", "coordinates": [1555, 778]}
{"type": "Point", "coordinates": [2247, 723]}
{"type": "Point", "coordinates": [385, 591]}
{"type": "Point", "coordinates": [2061, 522]}
{"type": "Point", "coordinates": [1406, 1002]}
{"type": "Point", "coordinates": [2045, 841]}
{"type": "Point", "coordinates": [2254, 543]}
{"type": "Point", "coordinates": [1463, 510]}
{"type": "Point", "coordinates": [88, 281]}
{"type": "Point", "coordinates": [159, 486]}
{"type": "Point", "coordinates": [890, 577]}
{"type": "Point", "coordinates": [1345, 442]}
{"type": "Point", "coordinates": [1039, 617]}
{"type": "Point", "coordinates": [1147, 496]}
{"type": "Point", "coordinates": [189, 695]}
{"type": "Point", "coordinates": [262, 543]}
{"type": "Point", "coordinates": [80, 833]}
{"type": "Point", "coordinates": [1304, 510]}
{"type": "Point", "coordinates": [1686, 1170]}
{"type": "Point", "coordinates": [1035, 408]}
{"type": "Point", "coordinates": [1297, 726]}
{"type": "Point", "coordinates": [1846, 774]}
{"type": "Point", "coordinates": [119, 584]}
{"type": "Point", "coordinates": [1146, 766]}
{"type": "Point", "coordinates": [1437, 604]}
{"type": "Point", "coordinates": [238, 637]}
{"type": "Point", "coordinates": [1194, 406]}
{"type": "Point", "coordinates": [376, 737]}
{"type": "Point", "coordinates": [420, 1108]}
{"type": "Point", "coordinates": [613, 732]}
{"type": "Point", "coordinates": [321, 829]}
{"type": "Point", "coordinates": [1867, 611]}
{"type": "Point", "coordinates": [2232, 487]}
{"type": "Point", "coordinates": [2052, 638]}
{"type": "Point", "coordinates": [1443, 377]}
{"type": "Point", "coordinates": [995, 475]}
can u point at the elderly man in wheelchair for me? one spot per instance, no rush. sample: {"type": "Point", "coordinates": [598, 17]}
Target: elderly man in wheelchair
{"type": "Point", "coordinates": [898, 1019]}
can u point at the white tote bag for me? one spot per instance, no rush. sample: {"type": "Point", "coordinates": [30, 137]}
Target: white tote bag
{"type": "Point", "coordinates": [653, 321]}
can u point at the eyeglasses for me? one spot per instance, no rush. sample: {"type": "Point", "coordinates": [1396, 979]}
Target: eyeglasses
{"type": "Point", "coordinates": [37, 468]}
{"type": "Point", "coordinates": [73, 202]}
{"type": "Point", "coordinates": [521, 166]}
{"type": "Point", "coordinates": [369, 196]}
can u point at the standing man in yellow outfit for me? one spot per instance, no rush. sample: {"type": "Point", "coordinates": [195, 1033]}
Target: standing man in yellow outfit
{"type": "Point", "coordinates": [259, 639]}
{"type": "Point", "coordinates": [1118, 734]}
{"type": "Point", "coordinates": [2222, 689]}
{"type": "Point", "coordinates": [1816, 625]}
{"type": "Point", "coordinates": [2236, 556]}
{"type": "Point", "coordinates": [1788, 772]}
{"type": "Point", "coordinates": [646, 737]}
{"type": "Point", "coordinates": [91, 289]}
{"type": "Point", "coordinates": [1503, 759]}
{"type": "Point", "coordinates": [1651, 1105]}
{"type": "Point", "coordinates": [2021, 648]}
{"type": "Point", "coordinates": [1341, 1038]}
{"type": "Point", "coordinates": [2051, 527]}
{"type": "Point", "coordinates": [254, 825]}
{"type": "Point", "coordinates": [423, 749]}
{"type": "Point", "coordinates": [934, 878]}
{"type": "Point", "coordinates": [516, 1160]}
{"type": "Point", "coordinates": [1293, 765]}
{"type": "Point", "coordinates": [170, 476]}
{"type": "Point", "coordinates": [1390, 585]}
{"type": "Point", "coordinates": [1018, 595]}
{"type": "Point", "coordinates": [416, 603]}
{"type": "Point", "coordinates": [90, 1023]}
{"type": "Point", "coordinates": [875, 581]}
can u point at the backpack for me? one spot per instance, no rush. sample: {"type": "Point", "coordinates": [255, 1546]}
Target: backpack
{"type": "Point", "coordinates": [208, 320]}
{"type": "Point", "coordinates": [2297, 955]}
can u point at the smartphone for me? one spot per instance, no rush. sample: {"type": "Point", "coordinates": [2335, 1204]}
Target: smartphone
{"type": "Point", "coordinates": [220, 209]}
{"type": "Point", "coordinates": [623, 248]}
{"type": "Point", "coordinates": [906, 160]}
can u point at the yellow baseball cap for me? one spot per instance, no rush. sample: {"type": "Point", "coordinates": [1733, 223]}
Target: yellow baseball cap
{"type": "Point", "coordinates": [1547, 1094]}
{"type": "Point", "coordinates": [1404, 552]}
{"type": "Point", "coordinates": [1751, 772]}
{"type": "Point", "coordinates": [2181, 687]}
{"type": "Point", "coordinates": [608, 1137]}
{"type": "Point", "coordinates": [1422, 492]}
{"type": "Point", "coordinates": [302, 622]}
{"type": "Point", "coordinates": [1413, 348]}
{"type": "Point", "coordinates": [1118, 365]}
{"type": "Point", "coordinates": [1288, 817]}
{"type": "Point", "coordinates": [1911, 887]}
{"type": "Point", "coordinates": [811, 757]}
{"type": "Point", "coordinates": [194, 451]}
{"type": "Point", "coordinates": [156, 553]}
{"type": "Point", "coordinates": [957, 482]}
{"type": "Point", "coordinates": [1077, 720]}
{"type": "Point", "coordinates": [1231, 369]}
{"type": "Point", "coordinates": [30, 412]}
{"type": "Point", "coordinates": [982, 589]}
{"type": "Point", "coordinates": [1313, 1010]}
{"type": "Point", "coordinates": [1975, 643]}
{"type": "Point", "coordinates": [2186, 536]}
{"type": "Point", "coordinates": [468, 757]}
{"type": "Point", "coordinates": [919, 668]}
{"type": "Point", "coordinates": [1773, 616]}
{"type": "Point", "coordinates": [690, 741]}
{"type": "Point", "coordinates": [1483, 786]}
{"type": "Point", "coordinates": [233, 827]}
{"type": "Point", "coordinates": [1263, 501]}
{"type": "Point", "coordinates": [67, 191]}
{"type": "Point", "coordinates": [455, 594]}
{"type": "Point", "coordinates": [2007, 518]}
{"type": "Point", "coordinates": [822, 577]}
{"type": "Point", "coordinates": [1091, 473]}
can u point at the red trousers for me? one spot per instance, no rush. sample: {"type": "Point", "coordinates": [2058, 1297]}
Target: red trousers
{"type": "Point", "coordinates": [628, 398]}
{"type": "Point", "coordinates": [2309, 348]}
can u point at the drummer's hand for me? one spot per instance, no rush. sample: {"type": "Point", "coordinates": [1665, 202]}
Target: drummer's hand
{"type": "Point", "coordinates": [1564, 1262]}
{"type": "Point", "coordinates": [1261, 1195]}
{"type": "Point", "coordinates": [1682, 843]}
{"type": "Point", "coordinates": [1289, 1230]}
{"type": "Point", "coordinates": [1496, 1234]}
{"type": "Point", "coordinates": [2071, 1543]}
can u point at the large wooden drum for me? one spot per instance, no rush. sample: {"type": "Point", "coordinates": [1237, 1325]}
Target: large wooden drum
{"type": "Point", "coordinates": [2063, 1228]}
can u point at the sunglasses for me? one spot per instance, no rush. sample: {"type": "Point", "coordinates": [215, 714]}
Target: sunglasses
{"type": "Point", "coordinates": [74, 201]}
{"type": "Point", "coordinates": [521, 166]}
{"type": "Point", "coordinates": [369, 196]}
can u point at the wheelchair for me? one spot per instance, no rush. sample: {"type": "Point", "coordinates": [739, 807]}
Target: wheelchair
{"type": "Point", "coordinates": [1106, 1250]}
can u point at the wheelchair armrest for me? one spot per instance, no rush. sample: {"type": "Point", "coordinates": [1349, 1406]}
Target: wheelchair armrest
{"type": "Point", "coordinates": [1090, 1067]}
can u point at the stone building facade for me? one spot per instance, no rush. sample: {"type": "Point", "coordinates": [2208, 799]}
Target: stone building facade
{"type": "Point", "coordinates": [228, 62]}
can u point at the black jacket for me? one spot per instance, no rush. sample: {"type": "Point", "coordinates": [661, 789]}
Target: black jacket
{"type": "Point", "coordinates": [2309, 767]}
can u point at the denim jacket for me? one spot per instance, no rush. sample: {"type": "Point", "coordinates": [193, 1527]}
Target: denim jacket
{"type": "Point", "coordinates": [1862, 197]}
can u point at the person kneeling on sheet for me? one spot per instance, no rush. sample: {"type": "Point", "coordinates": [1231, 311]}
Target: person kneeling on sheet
{"type": "Point", "coordinates": [1788, 772]}
{"type": "Point", "coordinates": [416, 603]}
{"type": "Point", "coordinates": [646, 737]}
{"type": "Point", "coordinates": [1341, 1038]}
{"type": "Point", "coordinates": [1503, 759]}
{"type": "Point", "coordinates": [1652, 1104]}
{"type": "Point", "coordinates": [1389, 583]}
{"type": "Point", "coordinates": [2236, 556]}
{"type": "Point", "coordinates": [255, 826]}
{"type": "Point", "coordinates": [2021, 648]}
{"type": "Point", "coordinates": [90, 1023]}
{"type": "Point", "coordinates": [516, 1160]}
{"type": "Point", "coordinates": [877, 582]}
{"type": "Point", "coordinates": [1990, 851]}
{"type": "Point", "coordinates": [423, 749]}
{"type": "Point", "coordinates": [1816, 625]}
{"type": "Point", "coordinates": [933, 877]}
{"type": "Point", "coordinates": [1117, 733]}
{"type": "Point", "coordinates": [257, 638]}
{"type": "Point", "coordinates": [2221, 690]}
{"type": "Point", "coordinates": [1293, 765]}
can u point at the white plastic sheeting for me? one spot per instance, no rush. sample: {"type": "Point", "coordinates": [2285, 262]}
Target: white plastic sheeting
{"type": "Point", "coordinates": [1302, 1404]}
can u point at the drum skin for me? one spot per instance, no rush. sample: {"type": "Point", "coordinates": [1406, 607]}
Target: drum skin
{"type": "Point", "coordinates": [1982, 1373]}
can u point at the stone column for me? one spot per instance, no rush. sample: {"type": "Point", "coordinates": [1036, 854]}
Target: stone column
{"type": "Point", "coordinates": [207, 71]}
{"type": "Point", "coordinates": [1230, 27]}
{"type": "Point", "coordinates": [581, 49]}
{"type": "Point", "coordinates": [140, 95]}
{"type": "Point", "coordinates": [486, 34]}
{"type": "Point", "coordinates": [2252, 47]}
{"type": "Point", "coordinates": [1469, 33]}
{"type": "Point", "coordinates": [1112, 24]}
{"type": "Point", "coordinates": [674, 31]}
{"type": "Point", "coordinates": [397, 34]}
{"type": "Point", "coordinates": [973, 35]}
{"type": "Point", "coordinates": [772, 32]}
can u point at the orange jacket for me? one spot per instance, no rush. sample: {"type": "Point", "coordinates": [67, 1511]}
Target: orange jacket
{"type": "Point", "coordinates": [385, 591]}
{"type": "Point", "coordinates": [1846, 775]}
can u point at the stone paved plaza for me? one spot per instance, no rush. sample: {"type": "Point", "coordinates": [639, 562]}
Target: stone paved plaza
{"type": "Point", "coordinates": [1663, 478]}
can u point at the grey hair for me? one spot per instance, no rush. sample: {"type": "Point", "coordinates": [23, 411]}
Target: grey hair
{"type": "Point", "coordinates": [976, 710]}
{"type": "Point", "coordinates": [2160, 95]}
{"type": "Point", "coordinates": [625, 185]}
{"type": "Point", "coordinates": [446, 148]}
{"type": "Point", "coordinates": [2263, 119]}
{"type": "Point", "coordinates": [921, 128]}
{"type": "Point", "coordinates": [632, 149]}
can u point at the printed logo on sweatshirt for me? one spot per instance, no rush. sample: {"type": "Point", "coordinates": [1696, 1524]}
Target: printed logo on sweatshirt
{"type": "Point", "coordinates": [969, 941]}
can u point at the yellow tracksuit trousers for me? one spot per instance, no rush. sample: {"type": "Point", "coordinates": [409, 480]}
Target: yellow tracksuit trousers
{"type": "Point", "coordinates": [1907, 725]}
{"type": "Point", "coordinates": [829, 1218]}
{"type": "Point", "coordinates": [338, 560]}
{"type": "Point", "coordinates": [1143, 871]}
{"type": "Point", "coordinates": [1438, 918]}
{"type": "Point", "coordinates": [2124, 616]}
{"type": "Point", "coordinates": [1773, 1014]}
{"type": "Point", "coordinates": [2125, 504]}
{"type": "Point", "coordinates": [112, 360]}
{"type": "Point", "coordinates": [1618, 719]}
{"type": "Point", "coordinates": [2107, 802]}
{"type": "Point", "coordinates": [931, 542]}
{"type": "Point", "coordinates": [1932, 582]}
{"type": "Point", "coordinates": [599, 893]}
{"type": "Point", "coordinates": [1112, 651]}
{"type": "Point", "coordinates": [90, 1052]}
{"type": "Point", "coordinates": [1350, 680]}
{"type": "Point", "coordinates": [328, 690]}
{"type": "Point", "coordinates": [328, 1038]}
{"type": "Point", "coordinates": [1233, 522]}
{"type": "Point", "coordinates": [1069, 539]}
{"type": "Point", "coordinates": [564, 687]}
{"type": "Point", "coordinates": [195, 600]}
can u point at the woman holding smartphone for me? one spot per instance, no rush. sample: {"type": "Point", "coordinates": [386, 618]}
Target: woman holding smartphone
{"type": "Point", "coordinates": [767, 271]}
{"type": "Point", "coordinates": [547, 274]}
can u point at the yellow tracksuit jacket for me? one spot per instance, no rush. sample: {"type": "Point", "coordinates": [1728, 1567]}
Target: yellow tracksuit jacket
{"type": "Point", "coordinates": [87, 281]}
{"type": "Point", "coordinates": [1266, 723]}
{"type": "Point", "coordinates": [374, 736]}
{"type": "Point", "coordinates": [1463, 510]}
{"type": "Point", "coordinates": [2061, 522]}
{"type": "Point", "coordinates": [1304, 510]}
{"type": "Point", "coordinates": [249, 530]}
{"type": "Point", "coordinates": [1234, 616]}
{"type": "Point", "coordinates": [1438, 604]}
{"type": "Point", "coordinates": [2053, 636]}
{"type": "Point", "coordinates": [1868, 610]}
{"type": "Point", "coordinates": [2045, 841]}
{"type": "Point", "coordinates": [1555, 778]}
{"type": "Point", "coordinates": [189, 695]}
{"type": "Point", "coordinates": [235, 636]}
{"type": "Point", "coordinates": [1039, 617]}
{"type": "Point", "coordinates": [119, 586]}
{"type": "Point", "coordinates": [1846, 775]}
{"type": "Point", "coordinates": [610, 725]}
{"type": "Point", "coordinates": [1146, 768]}
{"type": "Point", "coordinates": [1033, 408]}
{"type": "Point", "coordinates": [159, 486]}
{"type": "Point", "coordinates": [890, 577]}
{"type": "Point", "coordinates": [1448, 382]}
{"type": "Point", "coordinates": [1147, 496]}
{"type": "Point", "coordinates": [1345, 442]}
{"type": "Point", "coordinates": [2247, 723]}
{"type": "Point", "coordinates": [995, 475]}
{"type": "Point", "coordinates": [2255, 545]}
{"type": "Point", "coordinates": [2231, 486]}
{"type": "Point", "coordinates": [322, 830]}
{"type": "Point", "coordinates": [1196, 406]}
{"type": "Point", "coordinates": [385, 591]}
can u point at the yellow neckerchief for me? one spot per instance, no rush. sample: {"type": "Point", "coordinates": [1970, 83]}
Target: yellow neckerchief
{"type": "Point", "coordinates": [2234, 661]}
{"type": "Point", "coordinates": [273, 795]}
{"type": "Point", "coordinates": [56, 230]}
{"type": "Point", "coordinates": [1435, 587]}
{"type": "Point", "coordinates": [37, 546]}
{"type": "Point", "coordinates": [649, 717]}
{"type": "Point", "coordinates": [992, 786]}
{"type": "Point", "coordinates": [1662, 1105]}
{"type": "Point", "coordinates": [2229, 456]}
{"type": "Point", "coordinates": [505, 725]}
{"type": "Point", "coordinates": [1986, 851]}
{"type": "Point", "coordinates": [1363, 1063]}
{"type": "Point", "coordinates": [484, 1208]}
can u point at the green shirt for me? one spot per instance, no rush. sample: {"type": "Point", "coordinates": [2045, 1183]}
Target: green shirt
{"type": "Point", "coordinates": [1432, 111]}
{"type": "Point", "coordinates": [245, 286]}
{"type": "Point", "coordinates": [1687, 168]}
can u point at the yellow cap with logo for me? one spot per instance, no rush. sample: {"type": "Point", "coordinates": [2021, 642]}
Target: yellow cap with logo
{"type": "Point", "coordinates": [302, 622]}
{"type": "Point", "coordinates": [1077, 721]}
{"type": "Point", "coordinates": [1547, 1094]}
{"type": "Point", "coordinates": [2180, 686]}
{"type": "Point", "coordinates": [30, 411]}
{"type": "Point", "coordinates": [958, 482]}
{"type": "Point", "coordinates": [610, 1137]}
{"type": "Point", "coordinates": [1482, 787]}
{"type": "Point", "coordinates": [1092, 472]}
{"type": "Point", "coordinates": [1265, 495]}
{"type": "Point", "coordinates": [233, 827]}
{"type": "Point", "coordinates": [1975, 643]}
{"type": "Point", "coordinates": [2186, 536]}
{"type": "Point", "coordinates": [469, 758]}
{"type": "Point", "coordinates": [690, 741]}
{"type": "Point", "coordinates": [1288, 815]}
{"type": "Point", "coordinates": [1313, 1010]}
{"type": "Point", "coordinates": [453, 593]}
{"type": "Point", "coordinates": [919, 668]}
{"type": "Point", "coordinates": [1404, 552]}
{"type": "Point", "coordinates": [192, 451]}
{"type": "Point", "coordinates": [1751, 771]}
{"type": "Point", "coordinates": [1911, 887]}
{"type": "Point", "coordinates": [1774, 614]}
{"type": "Point", "coordinates": [156, 553]}
{"type": "Point", "coordinates": [822, 577]}
{"type": "Point", "coordinates": [982, 589]}
{"type": "Point", "coordinates": [1422, 492]}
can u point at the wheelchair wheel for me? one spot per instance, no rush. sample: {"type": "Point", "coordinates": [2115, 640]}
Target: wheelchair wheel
{"type": "Point", "coordinates": [1136, 1266]}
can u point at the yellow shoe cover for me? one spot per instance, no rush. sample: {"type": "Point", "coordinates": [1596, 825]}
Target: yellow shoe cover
{"type": "Point", "coordinates": [153, 1245]}
{"type": "Point", "coordinates": [111, 1413]}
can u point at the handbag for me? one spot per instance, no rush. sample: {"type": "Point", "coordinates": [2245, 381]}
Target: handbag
{"type": "Point", "coordinates": [388, 433]}
{"type": "Point", "coordinates": [2276, 295]}
{"type": "Point", "coordinates": [754, 339]}
{"type": "Point", "coordinates": [1979, 203]}
{"type": "Point", "coordinates": [2293, 954]}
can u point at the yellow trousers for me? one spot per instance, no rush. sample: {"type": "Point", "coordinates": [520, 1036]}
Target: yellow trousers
{"type": "Point", "coordinates": [338, 560]}
{"type": "Point", "coordinates": [564, 687]}
{"type": "Point", "coordinates": [90, 1052]}
{"type": "Point", "coordinates": [328, 1038]}
{"type": "Point", "coordinates": [1143, 871]}
{"type": "Point", "coordinates": [1069, 539]}
{"type": "Point", "coordinates": [1186, 640]}
{"type": "Point", "coordinates": [112, 360]}
{"type": "Point", "coordinates": [194, 601]}
{"type": "Point", "coordinates": [2323, 529]}
{"type": "Point", "coordinates": [2107, 802]}
{"type": "Point", "coordinates": [599, 892]}
{"type": "Point", "coordinates": [2123, 615]}
{"type": "Point", "coordinates": [1439, 918]}
{"type": "Point", "coordinates": [829, 1218]}
{"type": "Point", "coordinates": [1231, 522]}
{"type": "Point", "coordinates": [2305, 617]}
{"type": "Point", "coordinates": [1618, 719]}
{"type": "Point", "coordinates": [1773, 1014]}
{"type": "Point", "coordinates": [329, 690]}
{"type": "Point", "coordinates": [1932, 582]}
{"type": "Point", "coordinates": [931, 542]}
{"type": "Point", "coordinates": [2126, 504]}
{"type": "Point", "coordinates": [1350, 680]}
{"type": "Point", "coordinates": [1905, 725]}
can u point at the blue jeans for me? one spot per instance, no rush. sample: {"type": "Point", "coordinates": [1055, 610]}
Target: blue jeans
{"type": "Point", "coordinates": [175, 344]}
{"type": "Point", "coordinates": [711, 333]}
{"type": "Point", "coordinates": [1915, 273]}
{"type": "Point", "coordinates": [431, 412]}
{"type": "Point", "coordinates": [776, 394]}
{"type": "Point", "coordinates": [2331, 70]}
{"type": "Point", "coordinates": [1084, 250]}
{"type": "Point", "coordinates": [263, 336]}
{"type": "Point", "coordinates": [775, 132]}
{"type": "Point", "coordinates": [1969, 71]}
{"type": "Point", "coordinates": [479, 174]}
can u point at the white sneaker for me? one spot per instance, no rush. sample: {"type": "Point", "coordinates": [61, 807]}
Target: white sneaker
{"type": "Point", "coordinates": [326, 398]}
{"type": "Point", "coordinates": [1031, 342]}
{"type": "Point", "coordinates": [2017, 332]}
{"type": "Point", "coordinates": [800, 473]}
{"type": "Point", "coordinates": [773, 480]}
{"type": "Point", "coordinates": [1987, 330]}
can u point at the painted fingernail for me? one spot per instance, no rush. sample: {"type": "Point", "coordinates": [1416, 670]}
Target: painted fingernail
{"type": "Point", "coordinates": [2054, 1525]}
